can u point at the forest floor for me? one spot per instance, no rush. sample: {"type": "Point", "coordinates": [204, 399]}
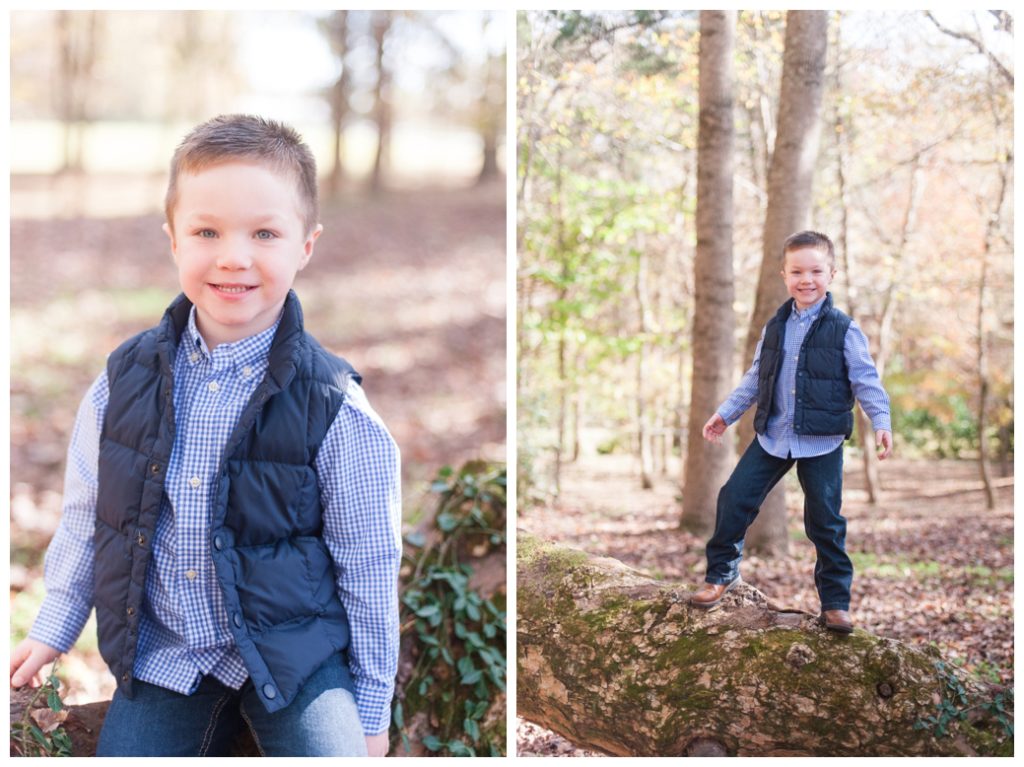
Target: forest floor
{"type": "Point", "coordinates": [408, 286]}
{"type": "Point", "coordinates": [932, 564]}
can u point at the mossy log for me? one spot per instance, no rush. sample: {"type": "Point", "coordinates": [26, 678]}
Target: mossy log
{"type": "Point", "coordinates": [621, 663]}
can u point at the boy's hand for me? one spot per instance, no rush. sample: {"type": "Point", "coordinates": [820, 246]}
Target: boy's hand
{"type": "Point", "coordinates": [883, 440]}
{"type": "Point", "coordinates": [714, 429]}
{"type": "Point", "coordinates": [377, 745]}
{"type": "Point", "coordinates": [27, 659]}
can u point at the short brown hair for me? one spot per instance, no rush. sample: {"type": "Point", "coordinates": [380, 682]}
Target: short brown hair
{"type": "Point", "coordinates": [809, 239]}
{"type": "Point", "coordinates": [238, 137]}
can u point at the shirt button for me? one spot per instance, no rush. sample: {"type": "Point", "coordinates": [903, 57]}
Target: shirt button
{"type": "Point", "coordinates": [247, 371]}
{"type": "Point", "coordinates": [190, 574]}
{"type": "Point", "coordinates": [195, 482]}
{"type": "Point", "coordinates": [193, 357]}
{"type": "Point", "coordinates": [212, 386]}
{"type": "Point", "coordinates": [269, 691]}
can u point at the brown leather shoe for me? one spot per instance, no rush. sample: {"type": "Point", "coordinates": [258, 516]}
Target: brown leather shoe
{"type": "Point", "coordinates": [711, 593]}
{"type": "Point", "coordinates": [837, 620]}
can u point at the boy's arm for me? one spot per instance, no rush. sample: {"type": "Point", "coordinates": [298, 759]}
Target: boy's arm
{"type": "Point", "coordinates": [68, 565]}
{"type": "Point", "coordinates": [864, 379]}
{"type": "Point", "coordinates": [359, 474]}
{"type": "Point", "coordinates": [745, 394]}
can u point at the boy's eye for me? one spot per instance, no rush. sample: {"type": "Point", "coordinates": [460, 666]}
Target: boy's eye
{"type": "Point", "coordinates": [207, 233]}
{"type": "Point", "coordinates": [265, 234]}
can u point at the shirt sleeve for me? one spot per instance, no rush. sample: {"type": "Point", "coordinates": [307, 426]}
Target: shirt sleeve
{"type": "Point", "coordinates": [864, 379]}
{"type": "Point", "coordinates": [68, 564]}
{"type": "Point", "coordinates": [359, 471]}
{"type": "Point", "coordinates": [745, 394]}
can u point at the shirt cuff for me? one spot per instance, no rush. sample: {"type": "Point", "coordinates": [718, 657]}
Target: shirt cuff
{"type": "Point", "coordinates": [881, 422]}
{"type": "Point", "coordinates": [59, 623]}
{"type": "Point", "coordinates": [374, 705]}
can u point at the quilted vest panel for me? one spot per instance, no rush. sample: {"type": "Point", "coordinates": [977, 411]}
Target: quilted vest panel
{"type": "Point", "coordinates": [824, 397]}
{"type": "Point", "coordinates": [274, 570]}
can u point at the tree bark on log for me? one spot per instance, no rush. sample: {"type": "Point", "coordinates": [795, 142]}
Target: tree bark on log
{"type": "Point", "coordinates": [621, 663]}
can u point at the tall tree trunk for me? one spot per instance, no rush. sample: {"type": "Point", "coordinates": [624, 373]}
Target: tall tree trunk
{"type": "Point", "coordinates": [491, 110]}
{"type": "Point", "coordinates": [77, 34]}
{"type": "Point", "coordinates": [789, 202]}
{"type": "Point", "coordinates": [338, 35]}
{"type": "Point", "coordinates": [991, 228]}
{"type": "Point", "coordinates": [382, 96]}
{"type": "Point", "coordinates": [707, 465]}
{"type": "Point", "coordinates": [644, 322]}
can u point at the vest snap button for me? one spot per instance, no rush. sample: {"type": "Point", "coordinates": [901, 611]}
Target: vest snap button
{"type": "Point", "coordinates": [131, 611]}
{"type": "Point", "coordinates": [124, 677]}
{"type": "Point", "coordinates": [141, 540]}
{"type": "Point", "coordinates": [269, 691]}
{"type": "Point", "coordinates": [155, 468]}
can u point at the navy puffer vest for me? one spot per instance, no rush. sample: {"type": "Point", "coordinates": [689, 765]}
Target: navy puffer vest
{"type": "Point", "coordinates": [274, 570]}
{"type": "Point", "coordinates": [824, 397]}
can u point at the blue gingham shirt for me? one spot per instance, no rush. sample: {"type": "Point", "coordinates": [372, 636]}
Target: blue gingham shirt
{"type": "Point", "coordinates": [779, 438]}
{"type": "Point", "coordinates": [183, 628]}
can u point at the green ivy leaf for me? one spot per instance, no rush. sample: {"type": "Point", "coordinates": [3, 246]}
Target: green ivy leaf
{"type": "Point", "coordinates": [432, 743]}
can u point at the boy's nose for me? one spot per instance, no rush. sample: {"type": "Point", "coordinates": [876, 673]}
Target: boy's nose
{"type": "Point", "coordinates": [234, 256]}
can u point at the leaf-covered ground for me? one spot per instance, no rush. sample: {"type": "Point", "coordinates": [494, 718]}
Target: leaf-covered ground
{"type": "Point", "coordinates": [932, 564]}
{"type": "Point", "coordinates": [408, 286]}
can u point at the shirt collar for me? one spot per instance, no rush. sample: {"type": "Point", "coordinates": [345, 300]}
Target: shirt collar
{"type": "Point", "coordinates": [247, 355]}
{"type": "Point", "coordinates": [810, 312]}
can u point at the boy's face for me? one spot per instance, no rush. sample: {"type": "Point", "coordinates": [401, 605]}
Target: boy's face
{"type": "Point", "coordinates": [238, 240]}
{"type": "Point", "coordinates": [807, 273]}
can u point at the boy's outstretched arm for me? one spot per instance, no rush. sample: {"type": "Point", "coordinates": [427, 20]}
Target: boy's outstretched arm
{"type": "Point", "coordinates": [27, 661]}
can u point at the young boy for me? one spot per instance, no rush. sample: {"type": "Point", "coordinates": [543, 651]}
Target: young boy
{"type": "Point", "coordinates": [232, 504]}
{"type": "Point", "coordinates": [811, 362]}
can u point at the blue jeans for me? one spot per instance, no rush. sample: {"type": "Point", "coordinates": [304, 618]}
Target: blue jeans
{"type": "Point", "coordinates": [321, 721]}
{"type": "Point", "coordinates": [740, 498]}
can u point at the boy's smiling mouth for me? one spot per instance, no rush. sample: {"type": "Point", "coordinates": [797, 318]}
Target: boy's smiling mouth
{"type": "Point", "coordinates": [230, 288]}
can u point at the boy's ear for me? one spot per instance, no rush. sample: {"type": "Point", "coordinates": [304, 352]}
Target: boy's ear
{"type": "Point", "coordinates": [170, 235]}
{"type": "Point", "coordinates": [307, 246]}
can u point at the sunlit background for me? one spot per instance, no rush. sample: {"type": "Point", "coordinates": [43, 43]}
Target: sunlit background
{"type": "Point", "coordinates": [405, 112]}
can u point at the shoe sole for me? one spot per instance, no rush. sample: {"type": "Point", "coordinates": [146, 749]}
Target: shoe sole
{"type": "Point", "coordinates": [839, 628]}
{"type": "Point", "coordinates": [709, 605]}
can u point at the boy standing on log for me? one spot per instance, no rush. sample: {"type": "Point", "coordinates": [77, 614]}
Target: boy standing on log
{"type": "Point", "coordinates": [810, 364]}
{"type": "Point", "coordinates": [232, 504]}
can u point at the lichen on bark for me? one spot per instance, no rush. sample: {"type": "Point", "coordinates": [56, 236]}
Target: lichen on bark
{"type": "Point", "coordinates": [618, 662]}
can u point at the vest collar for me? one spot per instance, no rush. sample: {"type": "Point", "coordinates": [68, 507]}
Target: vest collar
{"type": "Point", "coordinates": [787, 308]}
{"type": "Point", "coordinates": [283, 349]}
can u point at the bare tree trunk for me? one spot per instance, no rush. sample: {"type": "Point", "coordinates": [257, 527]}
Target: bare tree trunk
{"type": "Point", "coordinates": [644, 322]}
{"type": "Point", "coordinates": [382, 100]}
{"type": "Point", "coordinates": [77, 46]}
{"type": "Point", "coordinates": [789, 202]}
{"type": "Point", "coordinates": [621, 663]}
{"type": "Point", "coordinates": [491, 109]}
{"type": "Point", "coordinates": [707, 465]}
{"type": "Point", "coordinates": [865, 433]}
{"type": "Point", "coordinates": [991, 228]}
{"type": "Point", "coordinates": [337, 31]}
